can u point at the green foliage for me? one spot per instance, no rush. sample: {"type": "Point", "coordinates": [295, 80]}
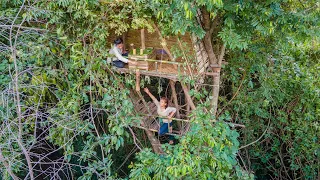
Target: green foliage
{"type": "Point", "coordinates": [74, 110]}
{"type": "Point", "coordinates": [207, 151]}
{"type": "Point", "coordinates": [279, 92]}
{"type": "Point", "coordinates": [69, 92]}
{"type": "Point", "coordinates": [232, 39]}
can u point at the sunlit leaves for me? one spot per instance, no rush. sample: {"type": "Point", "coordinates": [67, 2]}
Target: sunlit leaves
{"type": "Point", "coordinates": [232, 39]}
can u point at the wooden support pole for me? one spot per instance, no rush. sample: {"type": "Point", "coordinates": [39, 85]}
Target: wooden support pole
{"type": "Point", "coordinates": [137, 80]}
{"type": "Point", "coordinates": [175, 98]}
{"type": "Point", "coordinates": [124, 39]}
{"type": "Point", "coordinates": [215, 93]}
{"type": "Point", "coordinates": [186, 92]}
{"type": "Point", "coordinates": [143, 41]}
{"type": "Point", "coordinates": [216, 80]}
{"type": "Point", "coordinates": [186, 100]}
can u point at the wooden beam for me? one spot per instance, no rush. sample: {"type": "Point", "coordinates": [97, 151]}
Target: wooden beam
{"type": "Point", "coordinates": [142, 58]}
{"type": "Point", "coordinates": [187, 94]}
{"type": "Point", "coordinates": [137, 80]}
{"type": "Point", "coordinates": [124, 39]}
{"type": "Point", "coordinates": [186, 100]}
{"type": "Point", "coordinates": [150, 73]}
{"type": "Point", "coordinates": [175, 98]}
{"type": "Point", "coordinates": [215, 65]}
{"type": "Point", "coordinates": [143, 41]}
{"type": "Point", "coordinates": [212, 73]}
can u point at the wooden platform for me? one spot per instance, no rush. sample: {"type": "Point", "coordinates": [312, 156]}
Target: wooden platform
{"type": "Point", "coordinates": [173, 77]}
{"type": "Point", "coordinates": [158, 69]}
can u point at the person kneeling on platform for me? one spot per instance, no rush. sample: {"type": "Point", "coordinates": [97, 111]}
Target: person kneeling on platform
{"type": "Point", "coordinates": [164, 111]}
{"type": "Point", "coordinates": [118, 50]}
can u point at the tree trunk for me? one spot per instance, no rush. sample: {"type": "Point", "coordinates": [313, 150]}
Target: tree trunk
{"type": "Point", "coordinates": [214, 60]}
{"type": "Point", "coordinates": [208, 27]}
{"type": "Point", "coordinates": [215, 94]}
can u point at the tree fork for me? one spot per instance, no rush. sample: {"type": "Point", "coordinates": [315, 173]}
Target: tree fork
{"type": "Point", "coordinates": [208, 27]}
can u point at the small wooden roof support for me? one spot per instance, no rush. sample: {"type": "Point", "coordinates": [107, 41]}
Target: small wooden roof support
{"type": "Point", "coordinates": [143, 42]}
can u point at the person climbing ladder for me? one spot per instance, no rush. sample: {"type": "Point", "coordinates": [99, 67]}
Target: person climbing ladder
{"type": "Point", "coordinates": [164, 111]}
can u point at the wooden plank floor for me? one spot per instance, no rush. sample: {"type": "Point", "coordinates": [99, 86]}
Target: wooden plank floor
{"type": "Point", "coordinates": [150, 73]}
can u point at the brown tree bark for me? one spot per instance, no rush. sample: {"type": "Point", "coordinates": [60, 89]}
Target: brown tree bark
{"type": "Point", "coordinates": [214, 60]}
{"type": "Point", "coordinates": [207, 40]}
{"type": "Point", "coordinates": [175, 98]}
{"type": "Point", "coordinates": [7, 166]}
{"type": "Point", "coordinates": [189, 99]}
{"type": "Point", "coordinates": [216, 82]}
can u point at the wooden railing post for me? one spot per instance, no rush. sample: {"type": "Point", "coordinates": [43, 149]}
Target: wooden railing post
{"type": "Point", "coordinates": [143, 42]}
{"type": "Point", "coordinates": [137, 80]}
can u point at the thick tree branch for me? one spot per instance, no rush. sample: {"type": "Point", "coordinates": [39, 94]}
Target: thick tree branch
{"type": "Point", "coordinates": [134, 139]}
{"type": "Point", "coordinates": [189, 99]}
{"type": "Point", "coordinates": [208, 36]}
{"type": "Point", "coordinates": [175, 98]}
{"type": "Point", "coordinates": [258, 138]}
{"type": "Point", "coordinates": [16, 84]}
{"type": "Point", "coordinates": [222, 53]}
{"type": "Point", "coordinates": [3, 161]}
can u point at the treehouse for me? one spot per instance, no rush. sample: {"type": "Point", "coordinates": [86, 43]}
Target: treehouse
{"type": "Point", "coordinates": [153, 57]}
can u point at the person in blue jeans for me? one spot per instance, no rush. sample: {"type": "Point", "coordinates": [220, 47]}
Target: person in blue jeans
{"type": "Point", "coordinates": [164, 111]}
{"type": "Point", "coordinates": [118, 50]}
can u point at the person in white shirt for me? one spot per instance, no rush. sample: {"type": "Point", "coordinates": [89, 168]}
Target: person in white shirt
{"type": "Point", "coordinates": [117, 50]}
{"type": "Point", "coordinates": [163, 110]}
